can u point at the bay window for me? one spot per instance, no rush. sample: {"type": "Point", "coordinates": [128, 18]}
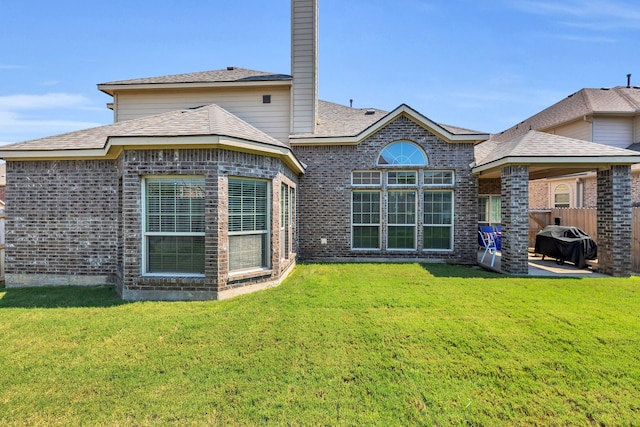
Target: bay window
{"type": "Point", "coordinates": [248, 224]}
{"type": "Point", "coordinates": [173, 225]}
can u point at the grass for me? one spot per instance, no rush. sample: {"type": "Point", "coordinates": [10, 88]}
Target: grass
{"type": "Point", "coordinates": [342, 344]}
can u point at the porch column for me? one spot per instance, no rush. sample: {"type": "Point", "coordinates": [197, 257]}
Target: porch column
{"type": "Point", "coordinates": [614, 220]}
{"type": "Point", "coordinates": [515, 219]}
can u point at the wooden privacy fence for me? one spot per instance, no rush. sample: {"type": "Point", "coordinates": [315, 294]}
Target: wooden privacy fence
{"type": "Point", "coordinates": [585, 219]}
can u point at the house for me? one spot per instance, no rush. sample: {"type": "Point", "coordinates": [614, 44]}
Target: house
{"type": "Point", "coordinates": [213, 184]}
{"type": "Point", "coordinates": [609, 116]}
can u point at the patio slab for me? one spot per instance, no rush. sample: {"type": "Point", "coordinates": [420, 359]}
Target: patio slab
{"type": "Point", "coordinates": [546, 267]}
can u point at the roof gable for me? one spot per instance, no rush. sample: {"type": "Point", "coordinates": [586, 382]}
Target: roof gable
{"type": "Point", "coordinates": [346, 125]}
{"type": "Point", "coordinates": [618, 100]}
{"type": "Point", "coordinates": [543, 150]}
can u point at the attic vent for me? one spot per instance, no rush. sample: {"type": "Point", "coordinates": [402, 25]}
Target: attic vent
{"type": "Point", "coordinates": [266, 99]}
{"type": "Point", "coordinates": [231, 68]}
{"type": "Point", "coordinates": [369, 112]}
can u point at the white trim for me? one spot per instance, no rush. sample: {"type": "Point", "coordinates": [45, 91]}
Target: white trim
{"type": "Point", "coordinates": [379, 224]}
{"type": "Point", "coordinates": [414, 225]}
{"type": "Point", "coordinates": [145, 245]}
{"type": "Point", "coordinates": [268, 249]}
{"type": "Point", "coordinates": [401, 110]}
{"type": "Point", "coordinates": [367, 185]}
{"type": "Point", "coordinates": [116, 144]}
{"type": "Point", "coordinates": [110, 89]}
{"type": "Point", "coordinates": [451, 171]}
{"type": "Point", "coordinates": [451, 226]}
{"type": "Point", "coordinates": [415, 184]}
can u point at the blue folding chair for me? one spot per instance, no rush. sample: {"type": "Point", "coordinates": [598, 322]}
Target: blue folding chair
{"type": "Point", "coordinates": [489, 245]}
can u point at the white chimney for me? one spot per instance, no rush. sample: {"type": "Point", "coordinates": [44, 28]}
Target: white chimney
{"type": "Point", "coordinates": [304, 65]}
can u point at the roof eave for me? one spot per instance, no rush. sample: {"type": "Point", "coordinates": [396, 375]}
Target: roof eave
{"type": "Point", "coordinates": [591, 161]}
{"type": "Point", "coordinates": [384, 121]}
{"type": "Point", "coordinates": [116, 144]}
{"type": "Point", "coordinates": [110, 89]}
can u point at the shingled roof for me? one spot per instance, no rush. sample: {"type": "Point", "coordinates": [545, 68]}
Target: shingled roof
{"type": "Point", "coordinates": [227, 75]}
{"type": "Point", "coordinates": [548, 155]}
{"type": "Point", "coordinates": [339, 120]}
{"type": "Point", "coordinates": [619, 100]}
{"type": "Point", "coordinates": [206, 120]}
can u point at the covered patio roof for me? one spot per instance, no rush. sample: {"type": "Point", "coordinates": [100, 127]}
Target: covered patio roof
{"type": "Point", "coordinates": [547, 155]}
{"type": "Point", "coordinates": [536, 155]}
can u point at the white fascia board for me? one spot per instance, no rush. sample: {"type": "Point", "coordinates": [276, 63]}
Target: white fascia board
{"type": "Point", "coordinates": [595, 161]}
{"type": "Point", "coordinates": [375, 127]}
{"type": "Point", "coordinates": [115, 145]}
{"type": "Point", "coordinates": [110, 89]}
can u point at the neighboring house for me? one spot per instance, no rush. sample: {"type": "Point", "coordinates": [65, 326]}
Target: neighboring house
{"type": "Point", "coordinates": [213, 184]}
{"type": "Point", "coordinates": [606, 116]}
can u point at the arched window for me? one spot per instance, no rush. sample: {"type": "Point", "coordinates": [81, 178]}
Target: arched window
{"type": "Point", "coordinates": [561, 196]}
{"type": "Point", "coordinates": [402, 153]}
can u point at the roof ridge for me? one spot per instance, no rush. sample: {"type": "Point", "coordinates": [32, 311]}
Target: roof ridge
{"type": "Point", "coordinates": [626, 97]}
{"type": "Point", "coordinates": [586, 99]}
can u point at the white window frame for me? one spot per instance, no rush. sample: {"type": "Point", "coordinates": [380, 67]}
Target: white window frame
{"type": "Point", "coordinates": [371, 175]}
{"type": "Point", "coordinates": [415, 220]}
{"type": "Point", "coordinates": [146, 234]}
{"type": "Point", "coordinates": [447, 184]}
{"type": "Point", "coordinates": [414, 172]}
{"type": "Point", "coordinates": [489, 212]}
{"type": "Point", "coordinates": [563, 193]}
{"type": "Point", "coordinates": [378, 224]}
{"type": "Point", "coordinates": [265, 233]}
{"type": "Point", "coordinates": [451, 226]}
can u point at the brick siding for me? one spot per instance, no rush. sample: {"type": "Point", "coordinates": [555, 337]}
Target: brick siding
{"type": "Point", "coordinates": [64, 219]}
{"type": "Point", "coordinates": [324, 199]}
{"type": "Point", "coordinates": [515, 214]}
{"type": "Point", "coordinates": [614, 221]}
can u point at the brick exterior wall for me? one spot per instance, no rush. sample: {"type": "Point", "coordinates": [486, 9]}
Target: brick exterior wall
{"type": "Point", "coordinates": [515, 214]}
{"type": "Point", "coordinates": [62, 221]}
{"type": "Point", "coordinates": [83, 219]}
{"type": "Point", "coordinates": [489, 186]}
{"type": "Point", "coordinates": [324, 206]}
{"type": "Point", "coordinates": [614, 221]}
{"type": "Point", "coordinates": [538, 194]}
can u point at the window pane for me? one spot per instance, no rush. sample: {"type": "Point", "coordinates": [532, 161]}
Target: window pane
{"type": "Point", "coordinates": [438, 207]}
{"type": "Point", "coordinates": [248, 214]}
{"type": "Point", "coordinates": [496, 209]}
{"type": "Point", "coordinates": [176, 254]}
{"type": "Point", "coordinates": [365, 178]}
{"type": "Point", "coordinates": [401, 237]}
{"type": "Point", "coordinates": [437, 237]}
{"type": "Point", "coordinates": [402, 153]}
{"type": "Point", "coordinates": [438, 178]}
{"type": "Point", "coordinates": [483, 209]}
{"type": "Point", "coordinates": [247, 251]}
{"type": "Point", "coordinates": [247, 205]}
{"type": "Point", "coordinates": [366, 237]}
{"type": "Point", "coordinates": [175, 205]}
{"type": "Point", "coordinates": [402, 207]}
{"type": "Point", "coordinates": [366, 208]}
{"type": "Point", "coordinates": [402, 178]}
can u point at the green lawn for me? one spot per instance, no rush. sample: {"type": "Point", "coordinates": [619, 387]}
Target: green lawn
{"type": "Point", "coordinates": [342, 344]}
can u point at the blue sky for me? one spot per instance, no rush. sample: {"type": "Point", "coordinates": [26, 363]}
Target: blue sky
{"type": "Point", "coordinates": [484, 65]}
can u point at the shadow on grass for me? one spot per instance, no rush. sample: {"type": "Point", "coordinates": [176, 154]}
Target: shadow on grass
{"type": "Point", "coordinates": [60, 297]}
{"type": "Point", "coordinates": [461, 271]}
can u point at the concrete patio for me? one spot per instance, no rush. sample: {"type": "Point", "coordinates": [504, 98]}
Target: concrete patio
{"type": "Point", "coordinates": [546, 267]}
